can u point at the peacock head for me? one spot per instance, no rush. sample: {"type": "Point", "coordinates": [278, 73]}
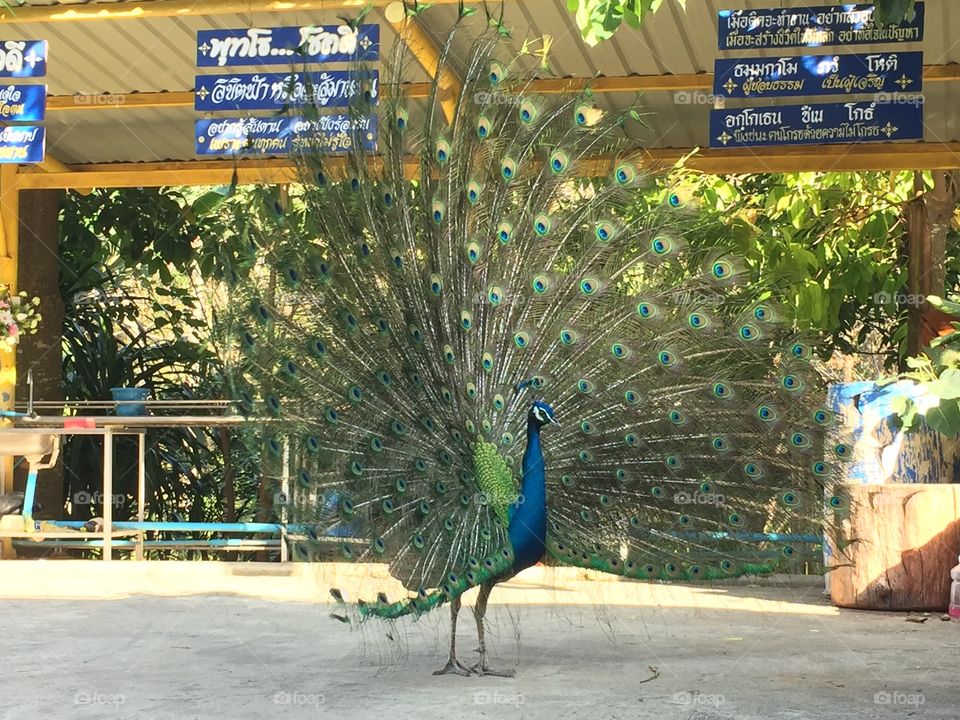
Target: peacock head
{"type": "Point", "coordinates": [541, 414]}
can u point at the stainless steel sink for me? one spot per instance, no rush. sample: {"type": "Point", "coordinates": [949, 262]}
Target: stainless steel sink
{"type": "Point", "coordinates": [32, 444]}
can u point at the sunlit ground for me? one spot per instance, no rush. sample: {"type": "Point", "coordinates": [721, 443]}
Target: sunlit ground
{"type": "Point", "coordinates": [582, 649]}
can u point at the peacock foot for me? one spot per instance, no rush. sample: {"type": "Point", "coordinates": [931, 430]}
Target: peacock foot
{"type": "Point", "coordinates": [453, 667]}
{"type": "Point", "coordinates": [482, 669]}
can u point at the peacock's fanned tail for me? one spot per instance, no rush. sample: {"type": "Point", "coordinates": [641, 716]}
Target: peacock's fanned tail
{"type": "Point", "coordinates": [392, 325]}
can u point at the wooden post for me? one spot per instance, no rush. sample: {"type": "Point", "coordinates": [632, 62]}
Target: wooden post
{"type": "Point", "coordinates": [928, 217]}
{"type": "Point", "coordinates": [39, 258]}
{"type": "Point", "coordinates": [9, 246]}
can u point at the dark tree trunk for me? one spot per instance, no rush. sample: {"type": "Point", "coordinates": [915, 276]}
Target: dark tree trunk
{"type": "Point", "coordinates": [928, 218]}
{"type": "Point", "coordinates": [39, 275]}
{"type": "Point", "coordinates": [919, 262]}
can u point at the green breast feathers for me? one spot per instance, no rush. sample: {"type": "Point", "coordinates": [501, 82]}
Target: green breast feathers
{"type": "Point", "coordinates": [495, 479]}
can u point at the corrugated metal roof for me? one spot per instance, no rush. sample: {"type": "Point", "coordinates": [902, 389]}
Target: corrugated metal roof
{"type": "Point", "coordinates": [135, 135]}
{"type": "Point", "coordinates": [157, 54]}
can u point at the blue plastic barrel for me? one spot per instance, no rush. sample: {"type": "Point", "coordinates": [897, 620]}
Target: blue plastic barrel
{"type": "Point", "coordinates": [844, 400]}
{"type": "Point", "coordinates": [882, 453]}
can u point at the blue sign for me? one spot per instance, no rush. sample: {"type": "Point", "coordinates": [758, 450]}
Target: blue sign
{"type": "Point", "coordinates": [275, 91]}
{"type": "Point", "coordinates": [23, 58]}
{"type": "Point", "coordinates": [890, 72]}
{"type": "Point", "coordinates": [287, 45]}
{"type": "Point", "coordinates": [847, 24]}
{"type": "Point", "coordinates": [284, 135]}
{"type": "Point", "coordinates": [22, 144]}
{"type": "Point", "coordinates": [22, 102]}
{"type": "Point", "coordinates": [851, 122]}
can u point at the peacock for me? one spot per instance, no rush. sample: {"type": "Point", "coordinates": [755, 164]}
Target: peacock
{"type": "Point", "coordinates": [476, 349]}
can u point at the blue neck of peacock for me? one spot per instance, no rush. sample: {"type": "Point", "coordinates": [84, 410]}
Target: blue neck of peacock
{"type": "Point", "coordinates": [528, 524]}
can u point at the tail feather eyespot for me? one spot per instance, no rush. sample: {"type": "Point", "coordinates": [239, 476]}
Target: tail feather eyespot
{"type": "Point", "coordinates": [484, 126]}
{"type": "Point", "coordinates": [625, 174]}
{"type": "Point", "coordinates": [529, 111]}
{"type": "Point", "coordinates": [508, 168]}
{"type": "Point", "coordinates": [605, 231]}
{"type": "Point", "coordinates": [442, 150]}
{"type": "Point", "coordinates": [542, 224]}
{"type": "Point", "coordinates": [558, 161]}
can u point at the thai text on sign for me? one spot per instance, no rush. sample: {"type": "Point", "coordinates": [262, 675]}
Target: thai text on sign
{"type": "Point", "coordinates": [828, 123]}
{"type": "Point", "coordinates": [275, 91]}
{"type": "Point", "coordinates": [285, 135]}
{"type": "Point", "coordinates": [890, 72]}
{"type": "Point", "coordinates": [847, 24]}
{"type": "Point", "coordinates": [287, 45]}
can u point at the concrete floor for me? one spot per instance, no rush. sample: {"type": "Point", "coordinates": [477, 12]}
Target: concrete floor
{"type": "Point", "coordinates": [730, 653]}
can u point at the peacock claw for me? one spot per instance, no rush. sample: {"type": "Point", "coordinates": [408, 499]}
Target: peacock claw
{"type": "Point", "coordinates": [453, 667]}
{"type": "Point", "coordinates": [482, 670]}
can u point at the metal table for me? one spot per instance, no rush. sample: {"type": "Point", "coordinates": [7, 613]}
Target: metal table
{"type": "Point", "coordinates": [110, 426]}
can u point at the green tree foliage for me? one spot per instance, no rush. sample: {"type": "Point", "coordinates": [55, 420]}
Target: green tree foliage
{"type": "Point", "coordinates": [598, 20]}
{"type": "Point", "coordinates": [937, 372]}
{"type": "Point", "coordinates": [136, 267]}
{"type": "Point", "coordinates": [828, 245]}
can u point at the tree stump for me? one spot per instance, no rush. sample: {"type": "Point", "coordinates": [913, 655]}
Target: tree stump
{"type": "Point", "coordinates": [907, 538]}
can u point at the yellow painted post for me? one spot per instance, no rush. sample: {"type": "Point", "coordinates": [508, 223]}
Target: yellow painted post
{"type": "Point", "coordinates": [9, 242]}
{"type": "Point", "coordinates": [427, 54]}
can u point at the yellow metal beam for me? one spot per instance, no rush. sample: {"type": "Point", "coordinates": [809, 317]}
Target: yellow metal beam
{"type": "Point", "coordinates": [818, 158]}
{"type": "Point", "coordinates": [201, 172]}
{"type": "Point", "coordinates": [545, 86]}
{"type": "Point", "coordinates": [120, 101]}
{"type": "Point", "coordinates": [427, 54]}
{"type": "Point", "coordinates": [198, 172]}
{"type": "Point", "coordinates": [50, 164]}
{"type": "Point", "coordinates": [681, 81]}
{"type": "Point", "coordinates": [941, 73]}
{"type": "Point", "coordinates": [142, 9]}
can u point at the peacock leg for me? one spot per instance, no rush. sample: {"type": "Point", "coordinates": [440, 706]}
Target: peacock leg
{"type": "Point", "coordinates": [479, 610]}
{"type": "Point", "coordinates": [453, 665]}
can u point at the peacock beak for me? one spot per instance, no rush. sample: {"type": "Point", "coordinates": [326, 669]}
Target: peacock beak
{"type": "Point", "coordinates": [554, 421]}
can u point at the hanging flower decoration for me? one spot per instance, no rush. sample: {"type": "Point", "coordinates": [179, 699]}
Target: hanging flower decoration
{"type": "Point", "coordinates": [19, 315]}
